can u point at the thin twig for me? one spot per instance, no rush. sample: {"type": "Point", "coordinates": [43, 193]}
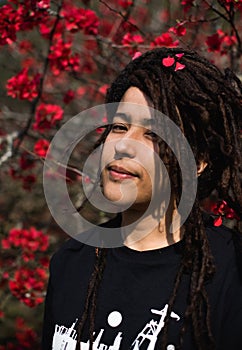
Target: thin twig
{"type": "Point", "coordinates": [24, 132]}
{"type": "Point", "coordinates": [123, 16]}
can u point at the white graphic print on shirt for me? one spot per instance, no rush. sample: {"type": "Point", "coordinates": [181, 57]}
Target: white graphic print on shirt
{"type": "Point", "coordinates": [65, 338]}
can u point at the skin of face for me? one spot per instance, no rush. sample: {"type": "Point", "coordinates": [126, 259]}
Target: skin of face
{"type": "Point", "coordinates": [130, 153]}
{"type": "Point", "coordinates": [132, 173]}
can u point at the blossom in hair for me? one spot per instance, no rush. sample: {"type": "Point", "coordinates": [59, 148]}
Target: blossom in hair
{"type": "Point", "coordinates": [170, 61]}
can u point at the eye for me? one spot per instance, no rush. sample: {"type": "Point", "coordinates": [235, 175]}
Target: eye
{"type": "Point", "coordinates": [151, 135]}
{"type": "Point", "coordinates": [118, 128]}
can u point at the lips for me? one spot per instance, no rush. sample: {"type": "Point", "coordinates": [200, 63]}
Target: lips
{"type": "Point", "coordinates": [118, 172]}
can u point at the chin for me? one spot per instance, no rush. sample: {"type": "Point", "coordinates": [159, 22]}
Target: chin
{"type": "Point", "coordinates": [117, 196]}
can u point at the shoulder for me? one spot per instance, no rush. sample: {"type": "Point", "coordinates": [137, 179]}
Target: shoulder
{"type": "Point", "coordinates": [226, 247]}
{"type": "Point", "coordinates": [73, 251]}
{"type": "Point", "coordinates": [72, 255]}
{"type": "Point", "coordinates": [222, 237]}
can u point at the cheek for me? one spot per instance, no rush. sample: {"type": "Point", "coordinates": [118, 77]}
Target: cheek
{"type": "Point", "coordinates": [107, 154]}
{"type": "Point", "coordinates": [153, 170]}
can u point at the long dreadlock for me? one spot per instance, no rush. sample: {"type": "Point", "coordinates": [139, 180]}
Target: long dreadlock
{"type": "Point", "coordinates": [206, 104]}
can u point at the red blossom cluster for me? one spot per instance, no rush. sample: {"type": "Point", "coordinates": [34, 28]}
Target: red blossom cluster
{"type": "Point", "coordinates": [24, 85]}
{"type": "Point", "coordinates": [80, 19]}
{"type": "Point", "coordinates": [132, 41]}
{"type": "Point", "coordinates": [69, 96]}
{"type": "Point", "coordinates": [178, 30]}
{"type": "Point", "coordinates": [220, 42]}
{"type": "Point", "coordinates": [164, 39]}
{"type": "Point", "coordinates": [220, 209]}
{"type": "Point", "coordinates": [61, 57]}
{"type": "Point", "coordinates": [41, 147]}
{"type": "Point", "coordinates": [30, 240]}
{"type": "Point", "coordinates": [25, 46]}
{"type": "Point", "coordinates": [236, 4]}
{"type": "Point", "coordinates": [20, 15]}
{"type": "Point", "coordinates": [28, 285]}
{"type": "Point", "coordinates": [27, 180]}
{"type": "Point", "coordinates": [46, 27]}
{"type": "Point", "coordinates": [125, 3]}
{"type": "Point", "coordinates": [47, 116]}
{"type": "Point", "coordinates": [26, 163]}
{"type": "Point", "coordinates": [9, 24]}
{"type": "Point", "coordinates": [187, 4]}
{"type": "Point", "coordinates": [26, 337]}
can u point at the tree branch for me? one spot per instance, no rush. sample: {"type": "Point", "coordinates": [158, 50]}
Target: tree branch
{"type": "Point", "coordinates": [24, 132]}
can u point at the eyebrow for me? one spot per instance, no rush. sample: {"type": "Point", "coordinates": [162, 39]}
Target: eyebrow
{"type": "Point", "coordinates": [127, 118]}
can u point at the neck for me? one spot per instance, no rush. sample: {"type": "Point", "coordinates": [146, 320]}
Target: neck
{"type": "Point", "coordinates": [148, 232]}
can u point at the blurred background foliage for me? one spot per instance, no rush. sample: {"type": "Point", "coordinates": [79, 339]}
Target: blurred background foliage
{"type": "Point", "coordinates": [57, 59]}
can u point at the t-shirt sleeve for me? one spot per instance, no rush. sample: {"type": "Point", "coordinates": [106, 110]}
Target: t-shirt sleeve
{"type": "Point", "coordinates": [48, 324]}
{"type": "Point", "coordinates": [231, 331]}
{"type": "Point", "coordinates": [227, 290]}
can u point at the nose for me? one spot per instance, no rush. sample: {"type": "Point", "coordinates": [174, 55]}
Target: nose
{"type": "Point", "coordinates": [126, 147]}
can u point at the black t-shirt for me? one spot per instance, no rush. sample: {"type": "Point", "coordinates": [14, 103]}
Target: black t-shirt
{"type": "Point", "coordinates": [134, 292]}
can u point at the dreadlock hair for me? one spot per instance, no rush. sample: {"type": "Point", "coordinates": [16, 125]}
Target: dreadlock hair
{"type": "Point", "coordinates": [206, 104]}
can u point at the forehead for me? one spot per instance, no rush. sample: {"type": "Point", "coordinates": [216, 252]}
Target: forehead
{"type": "Point", "coordinates": [135, 95]}
{"type": "Point", "coordinates": [134, 108]}
{"type": "Point", "coordinates": [136, 117]}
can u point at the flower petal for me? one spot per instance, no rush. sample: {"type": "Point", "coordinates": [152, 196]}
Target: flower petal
{"type": "Point", "coordinates": [168, 61]}
{"type": "Point", "coordinates": [179, 55]}
{"type": "Point", "coordinates": [136, 55]}
{"type": "Point", "coordinates": [179, 66]}
{"type": "Point", "coordinates": [218, 221]}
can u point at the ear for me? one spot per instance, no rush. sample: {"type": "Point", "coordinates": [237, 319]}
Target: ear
{"type": "Point", "coordinates": [200, 167]}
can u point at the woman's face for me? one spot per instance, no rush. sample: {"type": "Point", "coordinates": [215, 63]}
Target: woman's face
{"type": "Point", "coordinates": [130, 153]}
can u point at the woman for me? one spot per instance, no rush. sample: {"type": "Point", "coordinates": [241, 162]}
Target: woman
{"type": "Point", "coordinates": [159, 290]}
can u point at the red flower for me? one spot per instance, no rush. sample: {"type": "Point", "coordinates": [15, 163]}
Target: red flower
{"type": "Point", "coordinates": [125, 3]}
{"type": "Point", "coordinates": [26, 161]}
{"type": "Point", "coordinates": [30, 241]}
{"type": "Point", "coordinates": [31, 13]}
{"type": "Point", "coordinates": [26, 337]}
{"type": "Point", "coordinates": [45, 27]}
{"type": "Point", "coordinates": [25, 46]}
{"type": "Point", "coordinates": [80, 19]}
{"type": "Point", "coordinates": [9, 24]}
{"type": "Point", "coordinates": [43, 4]}
{"type": "Point", "coordinates": [103, 89]}
{"type": "Point", "coordinates": [28, 285]}
{"type": "Point", "coordinates": [187, 4]}
{"type": "Point", "coordinates": [41, 147]}
{"type": "Point", "coordinates": [130, 39]}
{"type": "Point", "coordinates": [23, 85]}
{"type": "Point", "coordinates": [165, 39]}
{"type": "Point", "coordinates": [178, 30]}
{"type": "Point", "coordinates": [47, 116]}
{"type": "Point", "coordinates": [44, 261]}
{"type": "Point", "coordinates": [28, 181]}
{"type": "Point", "coordinates": [221, 209]}
{"type": "Point", "coordinates": [69, 96]}
{"type": "Point", "coordinates": [61, 57]}
{"type": "Point", "coordinates": [24, 16]}
{"type": "Point", "coordinates": [214, 42]}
